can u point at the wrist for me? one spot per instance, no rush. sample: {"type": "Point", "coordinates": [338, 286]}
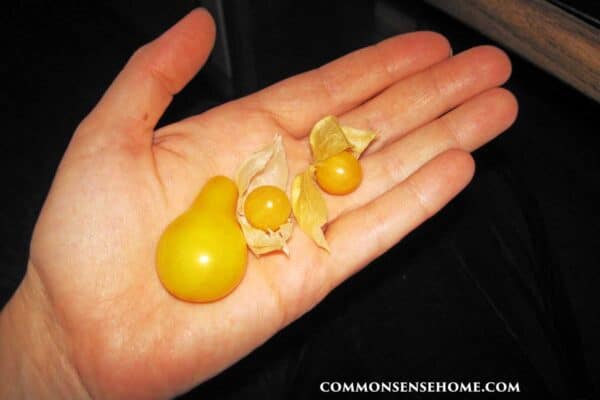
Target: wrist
{"type": "Point", "coordinates": [33, 351]}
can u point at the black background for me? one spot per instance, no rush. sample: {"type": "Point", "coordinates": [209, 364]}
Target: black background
{"type": "Point", "coordinates": [501, 285]}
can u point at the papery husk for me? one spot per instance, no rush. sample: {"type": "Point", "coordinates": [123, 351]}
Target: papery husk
{"type": "Point", "coordinates": [327, 139]}
{"type": "Point", "coordinates": [309, 207]}
{"type": "Point", "coordinates": [265, 167]}
{"type": "Point", "coordinates": [267, 242]}
{"type": "Point", "coordinates": [359, 139]}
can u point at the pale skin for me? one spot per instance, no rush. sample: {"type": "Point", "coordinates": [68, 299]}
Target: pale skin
{"type": "Point", "coordinates": [91, 319]}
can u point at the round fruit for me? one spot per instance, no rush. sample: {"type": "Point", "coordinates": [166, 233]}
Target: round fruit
{"type": "Point", "coordinates": [202, 254]}
{"type": "Point", "coordinates": [267, 208]}
{"type": "Point", "coordinates": [339, 174]}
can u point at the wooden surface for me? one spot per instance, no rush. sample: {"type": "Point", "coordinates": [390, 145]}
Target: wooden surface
{"type": "Point", "coordinates": [549, 37]}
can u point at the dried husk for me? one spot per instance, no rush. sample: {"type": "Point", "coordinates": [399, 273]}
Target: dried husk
{"type": "Point", "coordinates": [359, 139]}
{"type": "Point", "coordinates": [265, 167]}
{"type": "Point", "coordinates": [309, 207]}
{"type": "Point", "coordinates": [327, 138]}
{"type": "Point", "coordinates": [266, 242]}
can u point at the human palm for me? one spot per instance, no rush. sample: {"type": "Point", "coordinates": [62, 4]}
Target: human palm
{"type": "Point", "coordinates": [121, 182]}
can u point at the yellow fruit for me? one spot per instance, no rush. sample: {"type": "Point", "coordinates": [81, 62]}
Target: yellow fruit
{"type": "Point", "coordinates": [339, 174]}
{"type": "Point", "coordinates": [202, 254]}
{"type": "Point", "coordinates": [267, 207]}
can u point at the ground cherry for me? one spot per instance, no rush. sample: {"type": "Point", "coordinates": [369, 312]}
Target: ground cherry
{"type": "Point", "coordinates": [339, 174]}
{"type": "Point", "coordinates": [202, 254]}
{"type": "Point", "coordinates": [267, 208]}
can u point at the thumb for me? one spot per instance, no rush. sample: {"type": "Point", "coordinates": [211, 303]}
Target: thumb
{"type": "Point", "coordinates": [133, 104]}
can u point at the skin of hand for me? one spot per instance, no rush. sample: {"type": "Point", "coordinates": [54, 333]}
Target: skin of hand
{"type": "Point", "coordinates": [91, 319]}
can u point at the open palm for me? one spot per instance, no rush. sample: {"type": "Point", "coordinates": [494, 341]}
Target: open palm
{"type": "Point", "coordinates": [121, 182]}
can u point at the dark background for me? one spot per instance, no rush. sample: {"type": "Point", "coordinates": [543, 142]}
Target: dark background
{"type": "Point", "coordinates": [502, 285]}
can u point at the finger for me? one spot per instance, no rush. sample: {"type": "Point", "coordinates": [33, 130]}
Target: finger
{"type": "Point", "coordinates": [334, 88]}
{"type": "Point", "coordinates": [382, 223]}
{"type": "Point", "coordinates": [138, 97]}
{"type": "Point", "coordinates": [468, 127]}
{"type": "Point", "coordinates": [423, 97]}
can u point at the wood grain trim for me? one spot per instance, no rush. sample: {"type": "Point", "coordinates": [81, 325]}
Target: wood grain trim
{"type": "Point", "coordinates": [539, 31]}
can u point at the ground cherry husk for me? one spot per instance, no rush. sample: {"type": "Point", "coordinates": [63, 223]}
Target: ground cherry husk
{"type": "Point", "coordinates": [339, 174]}
{"type": "Point", "coordinates": [267, 208]}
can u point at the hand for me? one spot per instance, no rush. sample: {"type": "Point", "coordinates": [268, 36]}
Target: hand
{"type": "Point", "coordinates": [91, 317]}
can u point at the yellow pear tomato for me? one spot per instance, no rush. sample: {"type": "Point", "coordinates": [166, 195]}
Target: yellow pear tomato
{"type": "Point", "coordinates": [202, 254]}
